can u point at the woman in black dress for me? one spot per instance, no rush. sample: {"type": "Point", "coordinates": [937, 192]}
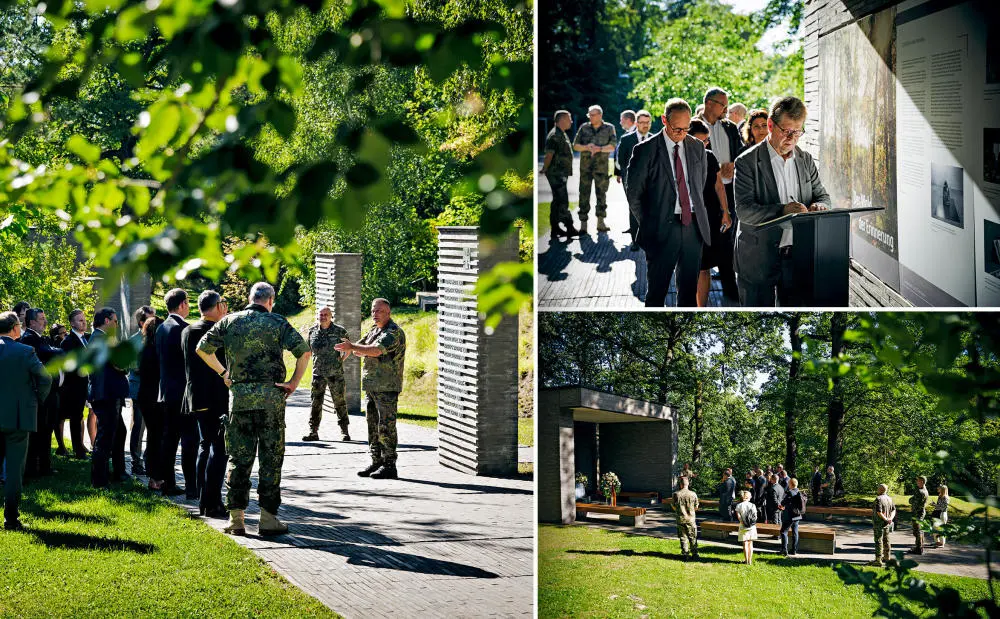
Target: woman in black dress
{"type": "Point", "coordinates": [719, 219]}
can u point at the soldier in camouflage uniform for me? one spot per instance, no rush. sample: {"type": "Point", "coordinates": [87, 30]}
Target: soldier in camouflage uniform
{"type": "Point", "coordinates": [594, 141]}
{"type": "Point", "coordinates": [557, 168]}
{"type": "Point", "coordinates": [883, 513]}
{"type": "Point", "coordinates": [686, 504]}
{"type": "Point", "coordinates": [328, 371]}
{"type": "Point", "coordinates": [254, 340]}
{"type": "Point", "coordinates": [384, 348]}
{"type": "Point", "coordinates": [918, 509]}
{"type": "Point", "coordinates": [828, 485]}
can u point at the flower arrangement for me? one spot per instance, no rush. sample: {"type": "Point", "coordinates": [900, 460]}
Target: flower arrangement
{"type": "Point", "coordinates": [609, 481]}
{"type": "Point", "coordinates": [581, 479]}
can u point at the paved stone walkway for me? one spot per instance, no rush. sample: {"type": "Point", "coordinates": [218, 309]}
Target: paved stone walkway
{"type": "Point", "coordinates": [434, 543]}
{"type": "Point", "coordinates": [597, 270]}
{"type": "Point", "coordinates": [855, 543]}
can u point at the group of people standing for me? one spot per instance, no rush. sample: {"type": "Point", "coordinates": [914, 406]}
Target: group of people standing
{"type": "Point", "coordinates": [696, 191]}
{"type": "Point", "coordinates": [773, 497]}
{"type": "Point", "coordinates": [215, 388]}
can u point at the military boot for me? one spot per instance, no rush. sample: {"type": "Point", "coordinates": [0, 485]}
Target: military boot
{"type": "Point", "coordinates": [270, 525]}
{"type": "Point", "coordinates": [344, 434]}
{"type": "Point", "coordinates": [374, 466]}
{"type": "Point", "coordinates": [388, 471]}
{"type": "Point", "coordinates": [312, 436]}
{"type": "Point", "coordinates": [601, 226]}
{"type": "Point", "coordinates": [236, 525]}
{"type": "Point", "coordinates": [583, 227]}
{"type": "Point", "coordinates": [571, 231]}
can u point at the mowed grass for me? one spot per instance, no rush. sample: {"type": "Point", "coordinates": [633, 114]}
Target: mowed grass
{"type": "Point", "coordinates": [418, 400]}
{"type": "Point", "coordinates": [587, 572]}
{"type": "Point", "coordinates": [128, 553]}
{"type": "Point", "coordinates": [957, 507]}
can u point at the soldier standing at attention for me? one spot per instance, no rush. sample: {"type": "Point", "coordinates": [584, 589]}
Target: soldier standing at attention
{"type": "Point", "coordinates": [594, 141]}
{"type": "Point", "coordinates": [918, 509]}
{"type": "Point", "coordinates": [557, 168]}
{"type": "Point", "coordinates": [328, 371]}
{"type": "Point", "coordinates": [686, 504]}
{"type": "Point", "coordinates": [254, 340]}
{"type": "Point", "coordinates": [384, 348]}
{"type": "Point", "coordinates": [883, 513]}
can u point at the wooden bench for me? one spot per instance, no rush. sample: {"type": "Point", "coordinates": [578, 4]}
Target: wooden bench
{"type": "Point", "coordinates": [642, 497]}
{"type": "Point", "coordinates": [822, 540]}
{"type": "Point", "coordinates": [849, 512]}
{"type": "Point", "coordinates": [631, 516]}
{"type": "Point", "coordinates": [702, 503]}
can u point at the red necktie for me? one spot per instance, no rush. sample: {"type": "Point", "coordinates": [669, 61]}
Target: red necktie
{"type": "Point", "coordinates": [682, 189]}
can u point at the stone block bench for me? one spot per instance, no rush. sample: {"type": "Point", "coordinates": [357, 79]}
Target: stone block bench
{"type": "Point", "coordinates": [427, 300]}
{"type": "Point", "coordinates": [640, 497]}
{"type": "Point", "coordinates": [630, 516]}
{"type": "Point", "coordinates": [821, 540]}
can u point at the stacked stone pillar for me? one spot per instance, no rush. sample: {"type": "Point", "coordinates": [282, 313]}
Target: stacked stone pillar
{"type": "Point", "coordinates": [477, 367]}
{"type": "Point", "coordinates": [338, 285]}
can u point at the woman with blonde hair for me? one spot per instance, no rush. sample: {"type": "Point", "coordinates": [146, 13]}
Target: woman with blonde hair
{"type": "Point", "coordinates": [746, 512]}
{"type": "Point", "coordinates": [940, 514]}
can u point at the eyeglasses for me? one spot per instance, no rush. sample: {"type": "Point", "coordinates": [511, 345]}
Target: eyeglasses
{"type": "Point", "coordinates": [725, 106]}
{"type": "Point", "coordinates": [789, 133]}
{"type": "Point", "coordinates": [677, 130]}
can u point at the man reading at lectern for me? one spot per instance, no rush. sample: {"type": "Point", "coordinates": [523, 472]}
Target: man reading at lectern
{"type": "Point", "coordinates": [773, 178]}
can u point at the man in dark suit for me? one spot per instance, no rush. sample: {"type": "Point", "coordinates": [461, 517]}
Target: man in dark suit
{"type": "Point", "coordinates": [108, 390]}
{"type": "Point", "coordinates": [40, 441]}
{"type": "Point", "coordinates": [207, 398]}
{"type": "Point", "coordinates": [178, 426]}
{"type": "Point", "coordinates": [623, 156]}
{"type": "Point", "coordinates": [73, 393]}
{"type": "Point", "coordinates": [773, 178]}
{"type": "Point", "coordinates": [25, 385]}
{"type": "Point", "coordinates": [726, 144]}
{"type": "Point", "coordinates": [666, 178]}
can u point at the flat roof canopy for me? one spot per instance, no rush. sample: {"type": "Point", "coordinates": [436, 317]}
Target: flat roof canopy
{"type": "Point", "coordinates": [599, 407]}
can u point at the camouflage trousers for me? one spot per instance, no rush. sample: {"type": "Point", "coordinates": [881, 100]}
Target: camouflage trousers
{"type": "Point", "coordinates": [883, 549]}
{"type": "Point", "coordinates": [338, 393]}
{"type": "Point", "coordinates": [255, 433]}
{"type": "Point", "coordinates": [918, 535]}
{"type": "Point", "coordinates": [380, 413]}
{"type": "Point", "coordinates": [559, 209]}
{"type": "Point", "coordinates": [688, 534]}
{"type": "Point", "coordinates": [596, 175]}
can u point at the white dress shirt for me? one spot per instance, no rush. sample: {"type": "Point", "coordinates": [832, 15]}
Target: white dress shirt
{"type": "Point", "coordinates": [786, 176]}
{"type": "Point", "coordinates": [720, 145]}
{"type": "Point", "coordinates": [684, 165]}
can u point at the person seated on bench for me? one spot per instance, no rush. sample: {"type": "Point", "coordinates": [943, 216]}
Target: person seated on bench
{"type": "Point", "coordinates": [793, 504]}
{"type": "Point", "coordinates": [686, 504]}
{"type": "Point", "coordinates": [746, 513]}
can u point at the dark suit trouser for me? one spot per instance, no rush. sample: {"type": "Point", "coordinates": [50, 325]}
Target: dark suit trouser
{"type": "Point", "coordinates": [71, 407]}
{"type": "Point", "coordinates": [15, 457]}
{"type": "Point", "coordinates": [211, 457]}
{"type": "Point", "coordinates": [109, 443]}
{"type": "Point", "coordinates": [40, 443]}
{"type": "Point", "coordinates": [181, 429]}
{"type": "Point", "coordinates": [152, 418]}
{"type": "Point", "coordinates": [727, 272]}
{"type": "Point", "coordinates": [756, 294]}
{"type": "Point", "coordinates": [681, 250]}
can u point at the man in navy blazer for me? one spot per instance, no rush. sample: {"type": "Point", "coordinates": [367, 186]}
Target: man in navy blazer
{"type": "Point", "coordinates": [25, 385]}
{"type": "Point", "coordinates": [73, 393]}
{"type": "Point", "coordinates": [179, 425]}
{"type": "Point", "coordinates": [40, 441]}
{"type": "Point", "coordinates": [108, 390]}
{"type": "Point", "coordinates": [665, 188]}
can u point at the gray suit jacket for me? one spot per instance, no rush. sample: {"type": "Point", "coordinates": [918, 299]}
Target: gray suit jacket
{"type": "Point", "coordinates": [24, 383]}
{"type": "Point", "coordinates": [652, 193]}
{"type": "Point", "coordinates": [757, 201]}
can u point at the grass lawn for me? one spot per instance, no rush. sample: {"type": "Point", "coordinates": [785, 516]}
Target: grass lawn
{"type": "Point", "coordinates": [956, 506]}
{"type": "Point", "coordinates": [418, 400]}
{"type": "Point", "coordinates": [543, 215]}
{"type": "Point", "coordinates": [128, 553]}
{"type": "Point", "coordinates": [587, 572]}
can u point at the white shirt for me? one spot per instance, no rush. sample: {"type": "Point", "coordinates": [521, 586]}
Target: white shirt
{"type": "Point", "coordinates": [642, 136]}
{"type": "Point", "coordinates": [786, 177]}
{"type": "Point", "coordinates": [720, 145]}
{"type": "Point", "coordinates": [684, 165]}
{"type": "Point", "coordinates": [80, 337]}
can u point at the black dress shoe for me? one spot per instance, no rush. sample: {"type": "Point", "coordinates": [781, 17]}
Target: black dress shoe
{"type": "Point", "coordinates": [138, 469]}
{"type": "Point", "coordinates": [172, 490]}
{"type": "Point", "coordinates": [218, 512]}
{"type": "Point", "coordinates": [192, 496]}
{"type": "Point", "coordinates": [368, 471]}
{"type": "Point", "coordinates": [13, 525]}
{"type": "Point", "coordinates": [62, 452]}
{"type": "Point", "coordinates": [124, 478]}
{"type": "Point", "coordinates": [386, 472]}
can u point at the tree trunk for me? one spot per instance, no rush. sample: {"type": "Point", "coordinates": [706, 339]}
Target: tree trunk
{"type": "Point", "coordinates": [698, 422]}
{"type": "Point", "coordinates": [835, 408]}
{"type": "Point", "coordinates": [791, 395]}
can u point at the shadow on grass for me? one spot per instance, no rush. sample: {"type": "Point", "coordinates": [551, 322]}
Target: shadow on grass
{"type": "Point", "coordinates": [402, 416]}
{"type": "Point", "coordinates": [653, 554]}
{"type": "Point", "coordinates": [58, 514]}
{"type": "Point", "coordinates": [77, 541]}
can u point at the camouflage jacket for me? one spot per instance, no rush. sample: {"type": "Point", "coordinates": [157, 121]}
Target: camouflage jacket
{"type": "Point", "coordinates": [602, 136]}
{"type": "Point", "coordinates": [326, 360]}
{"type": "Point", "coordinates": [918, 503]}
{"type": "Point", "coordinates": [685, 504]}
{"type": "Point", "coordinates": [557, 143]}
{"type": "Point", "coordinates": [255, 340]}
{"type": "Point", "coordinates": [385, 372]}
